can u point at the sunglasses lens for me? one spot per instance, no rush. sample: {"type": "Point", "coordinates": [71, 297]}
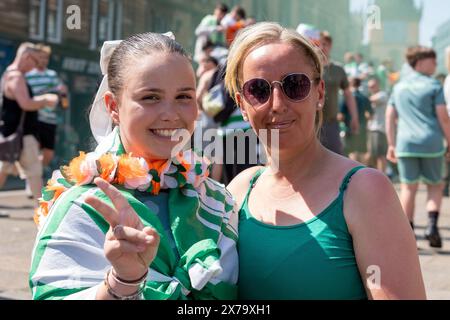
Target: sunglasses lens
{"type": "Point", "coordinates": [296, 86]}
{"type": "Point", "coordinates": [256, 91]}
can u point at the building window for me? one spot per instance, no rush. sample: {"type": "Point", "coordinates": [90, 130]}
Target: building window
{"type": "Point", "coordinates": [37, 19]}
{"type": "Point", "coordinates": [105, 16]}
{"type": "Point", "coordinates": [106, 22]}
{"type": "Point", "coordinates": [54, 20]}
{"type": "Point", "coordinates": [45, 20]}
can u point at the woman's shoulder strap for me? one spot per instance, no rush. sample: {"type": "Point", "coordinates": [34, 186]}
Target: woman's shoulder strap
{"type": "Point", "coordinates": [348, 177]}
{"type": "Point", "coordinates": [255, 177]}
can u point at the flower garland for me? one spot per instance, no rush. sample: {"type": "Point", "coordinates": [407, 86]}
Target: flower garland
{"type": "Point", "coordinates": [126, 170]}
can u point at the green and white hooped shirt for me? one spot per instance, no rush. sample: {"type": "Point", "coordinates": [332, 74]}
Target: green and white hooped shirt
{"type": "Point", "coordinates": [68, 259]}
{"type": "Point", "coordinates": [44, 82]}
{"type": "Point", "coordinates": [233, 123]}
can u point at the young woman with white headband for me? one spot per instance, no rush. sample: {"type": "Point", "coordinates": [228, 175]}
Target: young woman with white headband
{"type": "Point", "coordinates": [134, 219]}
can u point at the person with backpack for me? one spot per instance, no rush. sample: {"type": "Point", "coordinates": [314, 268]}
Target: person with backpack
{"type": "Point", "coordinates": [232, 129]}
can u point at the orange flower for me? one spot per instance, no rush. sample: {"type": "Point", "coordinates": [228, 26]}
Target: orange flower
{"type": "Point", "coordinates": [44, 208]}
{"type": "Point", "coordinates": [36, 216]}
{"type": "Point", "coordinates": [107, 166]}
{"type": "Point", "coordinates": [129, 167]}
{"type": "Point", "coordinates": [41, 212]}
{"type": "Point", "coordinates": [57, 187]}
{"type": "Point", "coordinates": [73, 171]}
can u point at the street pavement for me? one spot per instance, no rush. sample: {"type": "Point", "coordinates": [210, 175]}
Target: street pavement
{"type": "Point", "coordinates": [17, 234]}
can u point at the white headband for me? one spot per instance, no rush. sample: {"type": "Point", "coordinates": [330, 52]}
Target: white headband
{"type": "Point", "coordinates": [99, 117]}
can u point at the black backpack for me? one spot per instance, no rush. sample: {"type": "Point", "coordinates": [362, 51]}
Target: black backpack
{"type": "Point", "coordinates": [229, 104]}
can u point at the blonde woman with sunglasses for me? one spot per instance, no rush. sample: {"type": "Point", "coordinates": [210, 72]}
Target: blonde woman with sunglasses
{"type": "Point", "coordinates": [313, 224]}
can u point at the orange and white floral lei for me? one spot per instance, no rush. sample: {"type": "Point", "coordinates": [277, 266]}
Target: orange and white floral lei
{"type": "Point", "coordinates": [126, 170]}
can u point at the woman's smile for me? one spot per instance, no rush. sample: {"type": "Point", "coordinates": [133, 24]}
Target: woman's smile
{"type": "Point", "coordinates": [280, 125]}
{"type": "Point", "coordinates": [166, 133]}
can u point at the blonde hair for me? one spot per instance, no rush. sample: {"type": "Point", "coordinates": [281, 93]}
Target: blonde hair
{"type": "Point", "coordinates": [258, 35]}
{"type": "Point", "coordinates": [44, 48]}
{"type": "Point", "coordinates": [26, 47]}
{"type": "Point", "coordinates": [447, 58]}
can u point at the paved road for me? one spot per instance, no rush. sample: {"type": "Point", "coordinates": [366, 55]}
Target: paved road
{"type": "Point", "coordinates": [17, 235]}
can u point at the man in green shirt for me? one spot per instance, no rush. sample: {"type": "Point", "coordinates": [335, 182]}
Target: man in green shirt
{"type": "Point", "coordinates": [416, 123]}
{"type": "Point", "coordinates": [210, 29]}
{"type": "Point", "coordinates": [43, 80]}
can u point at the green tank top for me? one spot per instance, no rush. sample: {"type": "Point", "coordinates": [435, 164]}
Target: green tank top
{"type": "Point", "coordinates": [310, 260]}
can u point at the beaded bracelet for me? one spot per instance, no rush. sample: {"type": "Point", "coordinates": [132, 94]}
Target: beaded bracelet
{"type": "Point", "coordinates": [115, 295]}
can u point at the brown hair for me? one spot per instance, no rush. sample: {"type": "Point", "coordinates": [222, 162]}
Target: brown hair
{"type": "Point", "coordinates": [355, 82]}
{"type": "Point", "coordinates": [417, 53]}
{"type": "Point", "coordinates": [325, 35]}
{"type": "Point", "coordinates": [240, 11]}
{"type": "Point", "coordinates": [222, 7]}
{"type": "Point", "coordinates": [135, 47]}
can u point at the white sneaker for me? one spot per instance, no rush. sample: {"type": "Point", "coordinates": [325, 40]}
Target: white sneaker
{"type": "Point", "coordinates": [4, 214]}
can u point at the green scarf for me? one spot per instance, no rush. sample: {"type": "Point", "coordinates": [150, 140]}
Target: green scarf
{"type": "Point", "coordinates": [201, 214]}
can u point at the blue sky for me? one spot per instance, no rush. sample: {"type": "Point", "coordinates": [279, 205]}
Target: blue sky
{"type": "Point", "coordinates": [434, 14]}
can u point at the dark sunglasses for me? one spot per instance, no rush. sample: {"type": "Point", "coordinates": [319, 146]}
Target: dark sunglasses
{"type": "Point", "coordinates": [295, 86]}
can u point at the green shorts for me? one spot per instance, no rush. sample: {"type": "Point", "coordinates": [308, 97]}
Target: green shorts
{"type": "Point", "coordinates": [428, 170]}
{"type": "Point", "coordinates": [356, 142]}
{"type": "Point", "coordinates": [377, 144]}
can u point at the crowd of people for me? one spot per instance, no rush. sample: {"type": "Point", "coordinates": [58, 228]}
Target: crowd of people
{"type": "Point", "coordinates": [215, 33]}
{"type": "Point", "coordinates": [404, 124]}
{"type": "Point", "coordinates": [31, 94]}
{"type": "Point", "coordinates": [132, 220]}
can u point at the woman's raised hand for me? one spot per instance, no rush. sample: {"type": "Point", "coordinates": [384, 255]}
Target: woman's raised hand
{"type": "Point", "coordinates": [129, 246]}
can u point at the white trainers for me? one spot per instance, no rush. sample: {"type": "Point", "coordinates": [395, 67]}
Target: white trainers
{"type": "Point", "coordinates": [4, 214]}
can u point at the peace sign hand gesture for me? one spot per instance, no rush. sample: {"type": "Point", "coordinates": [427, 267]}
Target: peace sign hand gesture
{"type": "Point", "coordinates": [129, 246]}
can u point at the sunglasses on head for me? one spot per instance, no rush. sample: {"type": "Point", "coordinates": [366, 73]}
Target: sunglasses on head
{"type": "Point", "coordinates": [295, 86]}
